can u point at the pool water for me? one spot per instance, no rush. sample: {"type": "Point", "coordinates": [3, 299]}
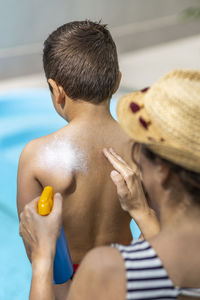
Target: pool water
{"type": "Point", "coordinates": [24, 115]}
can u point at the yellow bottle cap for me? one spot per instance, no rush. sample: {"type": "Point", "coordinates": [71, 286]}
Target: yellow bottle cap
{"type": "Point", "coordinates": [45, 202]}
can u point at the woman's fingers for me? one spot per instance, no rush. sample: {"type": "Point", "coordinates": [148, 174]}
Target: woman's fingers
{"type": "Point", "coordinates": [113, 157]}
{"type": "Point", "coordinates": [127, 181]}
{"type": "Point", "coordinates": [129, 186]}
{"type": "Point", "coordinates": [133, 168]}
{"type": "Point", "coordinates": [41, 231]}
{"type": "Point", "coordinates": [118, 164]}
{"type": "Point", "coordinates": [122, 189]}
{"type": "Point", "coordinates": [29, 209]}
{"type": "Point", "coordinates": [57, 205]}
{"type": "Point", "coordinates": [118, 180]}
{"type": "Point", "coordinates": [24, 232]}
{"type": "Point", "coordinates": [33, 204]}
{"type": "Point", "coordinates": [117, 156]}
{"type": "Point", "coordinates": [126, 172]}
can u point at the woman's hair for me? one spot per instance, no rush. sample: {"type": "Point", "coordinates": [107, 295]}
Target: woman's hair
{"type": "Point", "coordinates": [190, 179]}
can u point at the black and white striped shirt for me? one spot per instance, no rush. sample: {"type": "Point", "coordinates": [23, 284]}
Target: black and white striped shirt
{"type": "Point", "coordinates": [146, 276]}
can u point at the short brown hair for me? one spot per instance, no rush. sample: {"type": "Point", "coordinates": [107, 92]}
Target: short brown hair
{"type": "Point", "coordinates": [81, 56]}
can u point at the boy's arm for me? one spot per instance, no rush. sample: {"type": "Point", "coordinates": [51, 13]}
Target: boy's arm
{"type": "Point", "coordinates": [28, 186]}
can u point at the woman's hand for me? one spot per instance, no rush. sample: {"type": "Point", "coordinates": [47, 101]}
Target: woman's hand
{"type": "Point", "coordinates": [41, 232]}
{"type": "Point", "coordinates": [128, 183]}
{"type": "Point", "coordinates": [131, 194]}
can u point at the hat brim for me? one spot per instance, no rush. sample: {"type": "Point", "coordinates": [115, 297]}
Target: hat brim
{"type": "Point", "coordinates": [150, 135]}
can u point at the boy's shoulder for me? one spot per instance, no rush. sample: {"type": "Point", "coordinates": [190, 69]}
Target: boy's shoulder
{"type": "Point", "coordinates": [35, 147]}
{"type": "Point", "coordinates": [57, 151]}
{"type": "Point", "coordinates": [49, 158]}
{"type": "Point", "coordinates": [37, 151]}
{"type": "Point", "coordinates": [41, 163]}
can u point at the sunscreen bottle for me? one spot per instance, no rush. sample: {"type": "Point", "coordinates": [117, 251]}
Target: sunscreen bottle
{"type": "Point", "coordinates": [63, 268]}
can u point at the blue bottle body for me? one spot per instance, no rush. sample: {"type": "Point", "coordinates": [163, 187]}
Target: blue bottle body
{"type": "Point", "coordinates": [63, 268]}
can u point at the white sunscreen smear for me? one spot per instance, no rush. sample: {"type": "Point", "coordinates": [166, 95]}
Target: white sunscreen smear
{"type": "Point", "coordinates": [61, 154]}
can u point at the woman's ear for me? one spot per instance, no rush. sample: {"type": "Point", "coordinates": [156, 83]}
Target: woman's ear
{"type": "Point", "coordinates": [163, 172]}
{"type": "Point", "coordinates": [118, 82]}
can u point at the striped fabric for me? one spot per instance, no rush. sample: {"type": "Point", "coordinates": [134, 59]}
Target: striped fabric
{"type": "Point", "coordinates": [146, 276]}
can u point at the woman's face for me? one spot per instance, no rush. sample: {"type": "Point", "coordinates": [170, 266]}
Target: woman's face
{"type": "Point", "coordinates": [151, 185]}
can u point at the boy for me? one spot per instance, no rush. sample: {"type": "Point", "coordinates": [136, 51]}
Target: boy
{"type": "Point", "coordinates": [81, 66]}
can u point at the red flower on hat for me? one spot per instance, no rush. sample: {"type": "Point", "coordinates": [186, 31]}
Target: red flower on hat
{"type": "Point", "coordinates": [134, 107]}
{"type": "Point", "coordinates": [145, 89]}
{"type": "Point", "coordinates": [144, 123]}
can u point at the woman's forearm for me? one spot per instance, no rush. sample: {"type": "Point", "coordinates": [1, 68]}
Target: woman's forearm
{"type": "Point", "coordinates": [42, 279]}
{"type": "Point", "coordinates": [147, 221]}
{"type": "Point", "coordinates": [42, 287]}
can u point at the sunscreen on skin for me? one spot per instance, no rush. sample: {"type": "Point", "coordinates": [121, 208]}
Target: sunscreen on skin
{"type": "Point", "coordinates": [60, 154]}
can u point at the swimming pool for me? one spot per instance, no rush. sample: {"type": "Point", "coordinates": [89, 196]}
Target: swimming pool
{"type": "Point", "coordinates": [24, 115]}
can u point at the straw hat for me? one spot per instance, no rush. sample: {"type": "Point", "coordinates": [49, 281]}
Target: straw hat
{"type": "Point", "coordinates": [166, 117]}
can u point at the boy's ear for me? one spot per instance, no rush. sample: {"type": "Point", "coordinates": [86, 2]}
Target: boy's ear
{"type": "Point", "coordinates": [52, 85]}
{"type": "Point", "coordinates": [118, 82]}
{"type": "Point", "coordinates": [57, 91]}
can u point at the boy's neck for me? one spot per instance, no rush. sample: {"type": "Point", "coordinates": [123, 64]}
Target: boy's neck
{"type": "Point", "coordinates": [84, 110]}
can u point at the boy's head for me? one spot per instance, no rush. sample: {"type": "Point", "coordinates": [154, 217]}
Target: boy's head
{"type": "Point", "coordinates": [81, 57]}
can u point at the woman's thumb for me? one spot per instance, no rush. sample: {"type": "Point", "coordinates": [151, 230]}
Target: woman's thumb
{"type": "Point", "coordinates": [57, 204]}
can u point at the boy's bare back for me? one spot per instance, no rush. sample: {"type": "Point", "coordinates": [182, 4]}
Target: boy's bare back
{"type": "Point", "coordinates": [81, 66]}
{"type": "Point", "coordinates": [72, 162]}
